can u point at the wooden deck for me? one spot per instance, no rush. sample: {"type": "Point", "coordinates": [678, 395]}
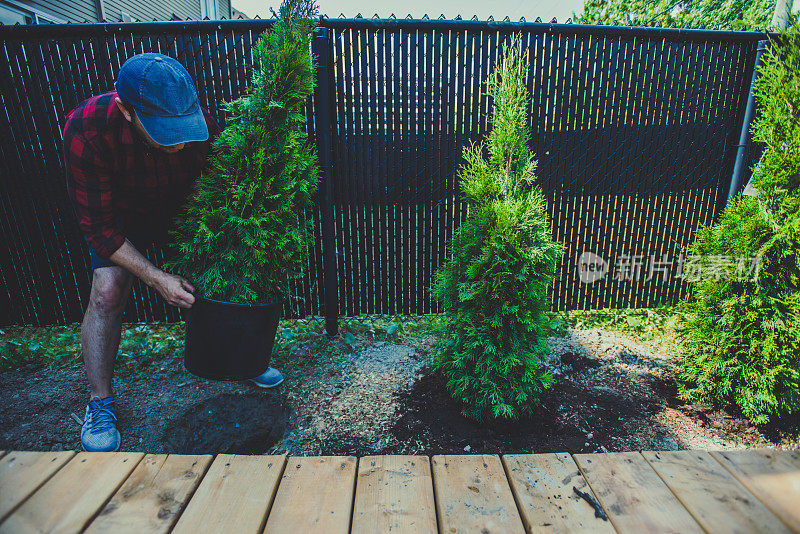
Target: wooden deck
{"type": "Point", "coordinates": [685, 491]}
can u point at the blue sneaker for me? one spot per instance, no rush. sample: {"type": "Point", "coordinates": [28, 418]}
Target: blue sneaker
{"type": "Point", "coordinates": [99, 431]}
{"type": "Point", "coordinates": [271, 378]}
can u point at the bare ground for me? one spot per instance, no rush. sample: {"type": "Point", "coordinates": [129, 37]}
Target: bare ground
{"type": "Point", "coordinates": [612, 393]}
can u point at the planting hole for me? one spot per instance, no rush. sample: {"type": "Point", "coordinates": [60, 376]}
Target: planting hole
{"type": "Point", "coordinates": [233, 424]}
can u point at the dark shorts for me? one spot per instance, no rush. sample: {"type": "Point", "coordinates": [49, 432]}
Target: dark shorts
{"type": "Point", "coordinates": [96, 261]}
{"type": "Point", "coordinates": [144, 243]}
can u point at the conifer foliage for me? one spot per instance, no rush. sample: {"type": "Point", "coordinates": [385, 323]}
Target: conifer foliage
{"type": "Point", "coordinates": [243, 234]}
{"type": "Point", "coordinates": [736, 14]}
{"type": "Point", "coordinates": [743, 333]}
{"type": "Point", "coordinates": [494, 289]}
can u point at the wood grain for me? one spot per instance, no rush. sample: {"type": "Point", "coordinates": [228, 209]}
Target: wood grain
{"type": "Point", "coordinates": [632, 494]}
{"type": "Point", "coordinates": [708, 491]}
{"type": "Point", "coordinates": [542, 486]}
{"type": "Point", "coordinates": [676, 491]}
{"type": "Point", "coordinates": [234, 495]}
{"type": "Point", "coordinates": [72, 496]}
{"type": "Point", "coordinates": [153, 496]}
{"type": "Point", "coordinates": [773, 476]}
{"type": "Point", "coordinates": [23, 472]}
{"type": "Point", "coordinates": [473, 495]}
{"type": "Point", "coordinates": [394, 494]}
{"type": "Point", "coordinates": [315, 495]}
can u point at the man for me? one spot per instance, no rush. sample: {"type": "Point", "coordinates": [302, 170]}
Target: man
{"type": "Point", "coordinates": [131, 156]}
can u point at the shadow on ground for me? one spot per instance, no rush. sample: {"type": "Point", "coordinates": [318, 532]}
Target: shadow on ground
{"type": "Point", "coordinates": [232, 424]}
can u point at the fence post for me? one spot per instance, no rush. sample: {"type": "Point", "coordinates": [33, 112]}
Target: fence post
{"type": "Point", "coordinates": [322, 46]}
{"type": "Point", "coordinates": [749, 111]}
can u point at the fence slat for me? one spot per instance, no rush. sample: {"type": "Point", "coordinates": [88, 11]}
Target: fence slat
{"type": "Point", "coordinates": [633, 131]}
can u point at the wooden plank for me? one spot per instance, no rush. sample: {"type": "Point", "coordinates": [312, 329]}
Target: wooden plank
{"type": "Point", "coordinates": [473, 495]}
{"type": "Point", "coordinates": [234, 496]}
{"type": "Point", "coordinates": [633, 495]}
{"type": "Point", "coordinates": [394, 494]}
{"type": "Point", "coordinates": [542, 486]}
{"type": "Point", "coordinates": [714, 498]}
{"type": "Point", "coordinates": [153, 496]}
{"type": "Point", "coordinates": [315, 495]}
{"type": "Point", "coordinates": [773, 476]}
{"type": "Point", "coordinates": [72, 497]}
{"type": "Point", "coordinates": [23, 472]}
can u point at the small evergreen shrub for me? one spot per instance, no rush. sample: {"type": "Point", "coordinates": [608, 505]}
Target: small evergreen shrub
{"type": "Point", "coordinates": [243, 234]}
{"type": "Point", "coordinates": [494, 289]}
{"type": "Point", "coordinates": [743, 333]}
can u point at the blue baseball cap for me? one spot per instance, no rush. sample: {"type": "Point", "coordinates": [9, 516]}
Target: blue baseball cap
{"type": "Point", "coordinates": [164, 97]}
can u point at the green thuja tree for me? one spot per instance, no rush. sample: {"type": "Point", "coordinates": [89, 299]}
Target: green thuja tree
{"type": "Point", "coordinates": [494, 289]}
{"type": "Point", "coordinates": [742, 330]}
{"type": "Point", "coordinates": [243, 234]}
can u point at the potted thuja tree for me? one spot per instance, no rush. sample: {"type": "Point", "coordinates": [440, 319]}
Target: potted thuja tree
{"type": "Point", "coordinates": [243, 234]}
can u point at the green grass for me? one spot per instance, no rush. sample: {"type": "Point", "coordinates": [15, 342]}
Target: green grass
{"type": "Point", "coordinates": [394, 328]}
{"type": "Point", "coordinates": [301, 349]}
{"type": "Point", "coordinates": [59, 347]}
{"type": "Point", "coordinates": [641, 323]}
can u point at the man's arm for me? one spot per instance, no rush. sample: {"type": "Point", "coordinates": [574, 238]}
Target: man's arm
{"type": "Point", "coordinates": [88, 180]}
{"type": "Point", "coordinates": [176, 290]}
{"type": "Point", "coordinates": [89, 188]}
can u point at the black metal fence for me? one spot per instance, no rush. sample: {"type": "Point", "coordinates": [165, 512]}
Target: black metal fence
{"type": "Point", "coordinates": [635, 132]}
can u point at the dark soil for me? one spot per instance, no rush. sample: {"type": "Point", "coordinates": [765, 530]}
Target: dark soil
{"type": "Point", "coordinates": [607, 421]}
{"type": "Point", "coordinates": [231, 424]}
{"type": "Point", "coordinates": [443, 430]}
{"type": "Point", "coordinates": [161, 411]}
{"type": "Point", "coordinates": [576, 360]}
{"type": "Point", "coordinates": [611, 393]}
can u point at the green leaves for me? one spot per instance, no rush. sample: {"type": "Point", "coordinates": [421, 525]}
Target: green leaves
{"type": "Point", "coordinates": [244, 231]}
{"type": "Point", "coordinates": [742, 336]}
{"type": "Point", "coordinates": [739, 15]}
{"type": "Point", "coordinates": [494, 289]}
{"type": "Point", "coordinates": [634, 322]}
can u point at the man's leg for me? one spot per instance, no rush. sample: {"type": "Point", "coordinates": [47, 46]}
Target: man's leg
{"type": "Point", "coordinates": [102, 326]}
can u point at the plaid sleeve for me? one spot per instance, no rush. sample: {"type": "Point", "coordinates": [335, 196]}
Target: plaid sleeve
{"type": "Point", "coordinates": [89, 189]}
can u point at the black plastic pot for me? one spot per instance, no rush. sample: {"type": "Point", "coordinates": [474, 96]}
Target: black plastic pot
{"type": "Point", "coordinates": [229, 341]}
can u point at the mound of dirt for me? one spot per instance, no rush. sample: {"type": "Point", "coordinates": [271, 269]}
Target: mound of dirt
{"type": "Point", "coordinates": [570, 418]}
{"type": "Point", "coordinates": [611, 393]}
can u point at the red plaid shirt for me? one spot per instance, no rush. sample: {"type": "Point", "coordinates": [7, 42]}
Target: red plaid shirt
{"type": "Point", "coordinates": [120, 186]}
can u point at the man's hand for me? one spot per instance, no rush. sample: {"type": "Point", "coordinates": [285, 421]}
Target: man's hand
{"type": "Point", "coordinates": [176, 290]}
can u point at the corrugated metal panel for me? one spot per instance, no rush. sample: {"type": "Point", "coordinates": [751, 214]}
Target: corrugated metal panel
{"type": "Point", "coordinates": [72, 11]}
{"type": "Point", "coordinates": [150, 10]}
